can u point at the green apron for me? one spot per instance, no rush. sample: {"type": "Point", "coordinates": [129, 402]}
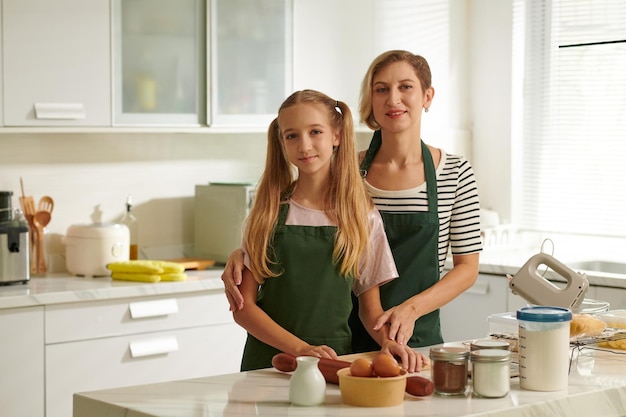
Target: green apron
{"type": "Point", "coordinates": [310, 298]}
{"type": "Point", "coordinates": [414, 241]}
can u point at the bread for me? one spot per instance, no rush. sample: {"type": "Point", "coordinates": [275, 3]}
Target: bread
{"type": "Point", "coordinates": [585, 325]}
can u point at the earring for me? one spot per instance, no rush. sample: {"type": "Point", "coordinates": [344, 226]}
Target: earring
{"type": "Point", "coordinates": [426, 109]}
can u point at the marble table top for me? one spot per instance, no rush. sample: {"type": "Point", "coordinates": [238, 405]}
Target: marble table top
{"type": "Point", "coordinates": [597, 387]}
{"type": "Point", "coordinates": [64, 288]}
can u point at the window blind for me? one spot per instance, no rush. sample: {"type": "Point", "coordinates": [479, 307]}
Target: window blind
{"type": "Point", "coordinates": [572, 158]}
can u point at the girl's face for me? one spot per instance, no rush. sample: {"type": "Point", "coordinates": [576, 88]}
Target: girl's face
{"type": "Point", "coordinates": [397, 97]}
{"type": "Point", "coordinates": [308, 138]}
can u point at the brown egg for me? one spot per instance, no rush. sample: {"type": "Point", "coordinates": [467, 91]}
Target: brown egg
{"type": "Point", "coordinates": [385, 365]}
{"type": "Point", "coordinates": [361, 367]}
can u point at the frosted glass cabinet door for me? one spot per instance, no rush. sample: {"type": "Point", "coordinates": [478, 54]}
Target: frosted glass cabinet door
{"type": "Point", "coordinates": [250, 60]}
{"type": "Point", "coordinates": [159, 72]}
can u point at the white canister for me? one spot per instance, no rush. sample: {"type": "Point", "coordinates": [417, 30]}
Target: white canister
{"type": "Point", "coordinates": [90, 247]}
{"type": "Point", "coordinates": [491, 372]}
{"type": "Point", "coordinates": [544, 347]}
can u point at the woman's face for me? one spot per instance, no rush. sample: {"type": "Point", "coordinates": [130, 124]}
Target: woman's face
{"type": "Point", "coordinates": [397, 97]}
{"type": "Point", "coordinates": [308, 138]}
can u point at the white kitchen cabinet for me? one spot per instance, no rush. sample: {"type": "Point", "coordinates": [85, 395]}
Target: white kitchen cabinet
{"type": "Point", "coordinates": [22, 366]}
{"type": "Point", "coordinates": [159, 54]}
{"type": "Point", "coordinates": [1, 73]}
{"type": "Point", "coordinates": [465, 317]}
{"type": "Point", "coordinates": [615, 296]}
{"type": "Point", "coordinates": [250, 60]}
{"type": "Point", "coordinates": [113, 343]}
{"type": "Point", "coordinates": [57, 65]}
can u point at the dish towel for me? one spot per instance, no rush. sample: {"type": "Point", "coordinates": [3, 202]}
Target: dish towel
{"type": "Point", "coordinates": [147, 271]}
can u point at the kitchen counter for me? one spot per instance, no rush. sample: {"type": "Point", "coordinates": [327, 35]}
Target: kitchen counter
{"type": "Point", "coordinates": [506, 249]}
{"type": "Point", "coordinates": [63, 288]}
{"type": "Point", "coordinates": [113, 333]}
{"type": "Point", "coordinates": [597, 387]}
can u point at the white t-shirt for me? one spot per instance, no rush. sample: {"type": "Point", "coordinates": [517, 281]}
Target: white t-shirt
{"type": "Point", "coordinates": [381, 267]}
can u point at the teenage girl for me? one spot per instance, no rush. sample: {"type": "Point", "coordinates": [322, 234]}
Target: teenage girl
{"type": "Point", "coordinates": [312, 238]}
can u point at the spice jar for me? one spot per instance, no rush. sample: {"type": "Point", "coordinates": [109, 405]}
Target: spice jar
{"type": "Point", "coordinates": [489, 344]}
{"type": "Point", "coordinates": [449, 366]}
{"type": "Point", "coordinates": [490, 372]}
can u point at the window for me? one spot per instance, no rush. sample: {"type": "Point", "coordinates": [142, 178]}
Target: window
{"type": "Point", "coordinates": [572, 143]}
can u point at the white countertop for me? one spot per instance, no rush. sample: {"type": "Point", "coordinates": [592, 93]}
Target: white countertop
{"type": "Point", "coordinates": [63, 288]}
{"type": "Point", "coordinates": [597, 387]}
{"type": "Point", "coordinates": [506, 250]}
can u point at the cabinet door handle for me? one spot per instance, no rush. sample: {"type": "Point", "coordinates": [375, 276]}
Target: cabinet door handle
{"type": "Point", "coordinates": [143, 309]}
{"type": "Point", "coordinates": [59, 111]}
{"type": "Point", "coordinates": [151, 347]}
{"type": "Point", "coordinates": [479, 288]}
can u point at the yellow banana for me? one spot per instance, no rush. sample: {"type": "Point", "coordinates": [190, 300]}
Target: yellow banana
{"type": "Point", "coordinates": [175, 276]}
{"type": "Point", "coordinates": [142, 266]}
{"type": "Point", "coordinates": [134, 276]}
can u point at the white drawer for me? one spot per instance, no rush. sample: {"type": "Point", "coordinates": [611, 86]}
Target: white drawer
{"type": "Point", "coordinates": [97, 319]}
{"type": "Point", "coordinates": [108, 363]}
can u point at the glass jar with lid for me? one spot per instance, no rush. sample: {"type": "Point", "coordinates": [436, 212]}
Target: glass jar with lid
{"type": "Point", "coordinates": [491, 372]}
{"type": "Point", "coordinates": [449, 368]}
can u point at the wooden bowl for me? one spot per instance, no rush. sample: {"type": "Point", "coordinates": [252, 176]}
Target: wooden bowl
{"type": "Point", "coordinates": [371, 391]}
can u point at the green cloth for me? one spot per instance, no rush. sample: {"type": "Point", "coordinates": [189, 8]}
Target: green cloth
{"type": "Point", "coordinates": [414, 241]}
{"type": "Point", "coordinates": [310, 298]}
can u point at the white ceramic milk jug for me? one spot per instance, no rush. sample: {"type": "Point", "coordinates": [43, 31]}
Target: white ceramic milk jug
{"type": "Point", "coordinates": [307, 386]}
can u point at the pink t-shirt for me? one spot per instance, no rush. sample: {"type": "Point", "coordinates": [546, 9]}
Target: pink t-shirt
{"type": "Point", "coordinates": [381, 267]}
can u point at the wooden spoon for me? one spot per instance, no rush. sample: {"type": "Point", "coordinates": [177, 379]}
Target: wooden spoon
{"type": "Point", "coordinates": [41, 220]}
{"type": "Point", "coordinates": [46, 203]}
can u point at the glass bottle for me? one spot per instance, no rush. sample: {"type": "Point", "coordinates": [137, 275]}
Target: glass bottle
{"type": "Point", "coordinates": [131, 222]}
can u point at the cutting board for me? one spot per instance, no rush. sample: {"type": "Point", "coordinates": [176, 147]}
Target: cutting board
{"type": "Point", "coordinates": [369, 356]}
{"type": "Point", "coordinates": [194, 263]}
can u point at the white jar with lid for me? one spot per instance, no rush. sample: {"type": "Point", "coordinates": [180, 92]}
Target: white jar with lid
{"type": "Point", "coordinates": [491, 372]}
{"type": "Point", "coordinates": [90, 247]}
{"type": "Point", "coordinates": [544, 347]}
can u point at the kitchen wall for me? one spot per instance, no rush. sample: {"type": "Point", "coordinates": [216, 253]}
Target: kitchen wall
{"type": "Point", "coordinates": [89, 174]}
{"type": "Point", "coordinates": [94, 172]}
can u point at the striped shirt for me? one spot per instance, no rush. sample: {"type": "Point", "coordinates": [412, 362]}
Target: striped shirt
{"type": "Point", "coordinates": [459, 208]}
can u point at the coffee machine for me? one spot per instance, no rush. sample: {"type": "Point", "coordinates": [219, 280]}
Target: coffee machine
{"type": "Point", "coordinates": [14, 243]}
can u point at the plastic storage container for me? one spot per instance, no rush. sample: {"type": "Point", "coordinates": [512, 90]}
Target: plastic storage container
{"type": "Point", "coordinates": [544, 347]}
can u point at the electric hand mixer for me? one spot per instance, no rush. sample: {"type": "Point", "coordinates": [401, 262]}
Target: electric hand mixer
{"type": "Point", "coordinates": [536, 289]}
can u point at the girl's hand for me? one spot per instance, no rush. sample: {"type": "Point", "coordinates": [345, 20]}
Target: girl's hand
{"type": "Point", "coordinates": [410, 359]}
{"type": "Point", "coordinates": [321, 351]}
{"type": "Point", "coordinates": [401, 322]}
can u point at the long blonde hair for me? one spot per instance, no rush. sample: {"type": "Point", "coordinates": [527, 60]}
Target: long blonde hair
{"type": "Point", "coordinates": [346, 201]}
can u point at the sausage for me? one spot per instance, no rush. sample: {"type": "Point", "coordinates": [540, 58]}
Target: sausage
{"type": "Point", "coordinates": [284, 362]}
{"type": "Point", "coordinates": [419, 386]}
{"type": "Point", "coordinates": [287, 363]}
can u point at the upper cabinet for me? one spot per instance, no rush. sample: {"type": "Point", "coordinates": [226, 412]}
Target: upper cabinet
{"type": "Point", "coordinates": [159, 72]}
{"type": "Point", "coordinates": [250, 60]}
{"type": "Point", "coordinates": [181, 63]}
{"type": "Point", "coordinates": [56, 56]}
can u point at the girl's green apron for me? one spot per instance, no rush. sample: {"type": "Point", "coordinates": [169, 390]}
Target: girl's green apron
{"type": "Point", "coordinates": [309, 299]}
{"type": "Point", "coordinates": [414, 241]}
